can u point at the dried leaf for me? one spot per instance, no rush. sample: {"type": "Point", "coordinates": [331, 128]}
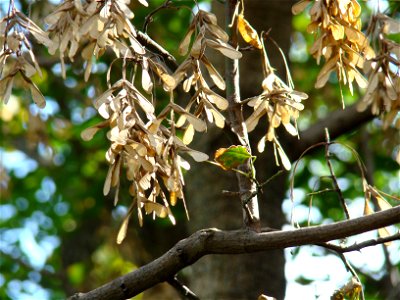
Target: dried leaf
{"type": "Point", "coordinates": [124, 226]}
{"type": "Point", "coordinates": [326, 70]}
{"type": "Point", "coordinates": [107, 182]}
{"type": "Point", "coordinates": [217, 32]}
{"type": "Point", "coordinates": [219, 118]}
{"type": "Point", "coordinates": [290, 129]}
{"type": "Point", "coordinates": [88, 133]}
{"type": "Point", "coordinates": [215, 76]}
{"type": "Point", "coordinates": [160, 210]}
{"type": "Point", "coordinates": [248, 33]}
{"type": "Point", "coordinates": [224, 48]}
{"type": "Point", "coordinates": [300, 6]}
{"type": "Point", "coordinates": [147, 83]}
{"type": "Point", "coordinates": [284, 159]}
{"type": "Point", "coordinates": [144, 3]}
{"type": "Point", "coordinates": [218, 100]}
{"type": "Point", "coordinates": [254, 118]}
{"type": "Point", "coordinates": [367, 209]}
{"type": "Point", "coordinates": [6, 85]}
{"type": "Point", "coordinates": [188, 135]}
{"type": "Point", "coordinates": [37, 96]}
{"type": "Point", "coordinates": [184, 45]}
{"type": "Point", "coordinates": [261, 144]}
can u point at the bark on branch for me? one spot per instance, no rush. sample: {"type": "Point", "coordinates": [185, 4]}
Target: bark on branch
{"type": "Point", "coordinates": [214, 241]}
{"type": "Point", "coordinates": [338, 122]}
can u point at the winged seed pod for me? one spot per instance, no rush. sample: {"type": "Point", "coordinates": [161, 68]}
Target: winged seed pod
{"type": "Point", "coordinates": [95, 24]}
{"type": "Point", "coordinates": [205, 104]}
{"type": "Point", "coordinates": [144, 149]}
{"type": "Point", "coordinates": [16, 54]}
{"type": "Point", "coordinates": [383, 92]}
{"type": "Point", "coordinates": [281, 104]}
{"type": "Point", "coordinates": [337, 28]}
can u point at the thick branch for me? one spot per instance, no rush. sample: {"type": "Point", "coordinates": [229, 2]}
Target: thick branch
{"type": "Point", "coordinates": [214, 241]}
{"type": "Point", "coordinates": [338, 122]}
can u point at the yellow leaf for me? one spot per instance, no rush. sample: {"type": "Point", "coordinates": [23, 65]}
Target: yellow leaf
{"type": "Point", "coordinates": [160, 210]}
{"type": "Point", "coordinates": [248, 33]}
{"type": "Point", "coordinates": [172, 198]}
{"type": "Point", "coordinates": [124, 226]}
{"type": "Point", "coordinates": [188, 135]}
{"type": "Point", "coordinates": [367, 208]}
{"type": "Point", "coordinates": [337, 31]}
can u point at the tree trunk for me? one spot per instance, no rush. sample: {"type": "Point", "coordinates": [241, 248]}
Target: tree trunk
{"type": "Point", "coordinates": [241, 276]}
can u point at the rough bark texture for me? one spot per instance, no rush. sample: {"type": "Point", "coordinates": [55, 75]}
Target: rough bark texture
{"type": "Point", "coordinates": [241, 276]}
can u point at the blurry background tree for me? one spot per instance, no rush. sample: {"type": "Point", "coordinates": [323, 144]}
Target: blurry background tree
{"type": "Point", "coordinates": [58, 230]}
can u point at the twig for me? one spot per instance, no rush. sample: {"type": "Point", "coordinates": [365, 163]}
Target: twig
{"type": "Point", "coordinates": [149, 17]}
{"type": "Point", "coordinates": [359, 246]}
{"type": "Point", "coordinates": [338, 122]}
{"type": "Point", "coordinates": [152, 45]}
{"type": "Point", "coordinates": [259, 187]}
{"type": "Point", "coordinates": [352, 271]}
{"type": "Point", "coordinates": [182, 289]}
{"type": "Point", "coordinates": [333, 176]}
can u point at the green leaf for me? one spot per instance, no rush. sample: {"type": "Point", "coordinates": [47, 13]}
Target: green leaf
{"type": "Point", "coordinates": [232, 157]}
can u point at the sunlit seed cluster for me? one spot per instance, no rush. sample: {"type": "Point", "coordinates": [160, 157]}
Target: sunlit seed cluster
{"type": "Point", "coordinates": [383, 91]}
{"type": "Point", "coordinates": [337, 27]}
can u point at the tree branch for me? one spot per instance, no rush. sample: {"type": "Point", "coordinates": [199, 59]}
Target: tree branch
{"type": "Point", "coordinates": [359, 246]}
{"type": "Point", "coordinates": [247, 187]}
{"type": "Point", "coordinates": [338, 122]}
{"type": "Point", "coordinates": [183, 290]}
{"type": "Point", "coordinates": [214, 241]}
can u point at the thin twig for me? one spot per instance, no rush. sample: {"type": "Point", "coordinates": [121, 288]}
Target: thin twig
{"type": "Point", "coordinates": [149, 17]}
{"type": "Point", "coordinates": [260, 186]}
{"type": "Point", "coordinates": [182, 289]}
{"type": "Point", "coordinates": [333, 176]}
{"type": "Point", "coordinates": [345, 262]}
{"type": "Point", "coordinates": [352, 271]}
{"type": "Point", "coordinates": [359, 246]}
{"type": "Point", "coordinates": [144, 39]}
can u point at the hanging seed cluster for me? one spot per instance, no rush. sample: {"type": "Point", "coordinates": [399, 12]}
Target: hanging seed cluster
{"type": "Point", "coordinates": [337, 27]}
{"type": "Point", "coordinates": [383, 91]}
{"type": "Point", "coordinates": [16, 54]}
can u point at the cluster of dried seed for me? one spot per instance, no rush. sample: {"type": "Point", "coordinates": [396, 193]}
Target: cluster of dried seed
{"type": "Point", "coordinates": [205, 103]}
{"type": "Point", "coordinates": [143, 143]}
{"type": "Point", "coordinates": [337, 25]}
{"type": "Point", "coordinates": [16, 54]}
{"type": "Point", "coordinates": [148, 151]}
{"type": "Point", "coordinates": [93, 25]}
{"type": "Point", "coordinates": [383, 92]}
{"type": "Point", "coordinates": [281, 104]}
